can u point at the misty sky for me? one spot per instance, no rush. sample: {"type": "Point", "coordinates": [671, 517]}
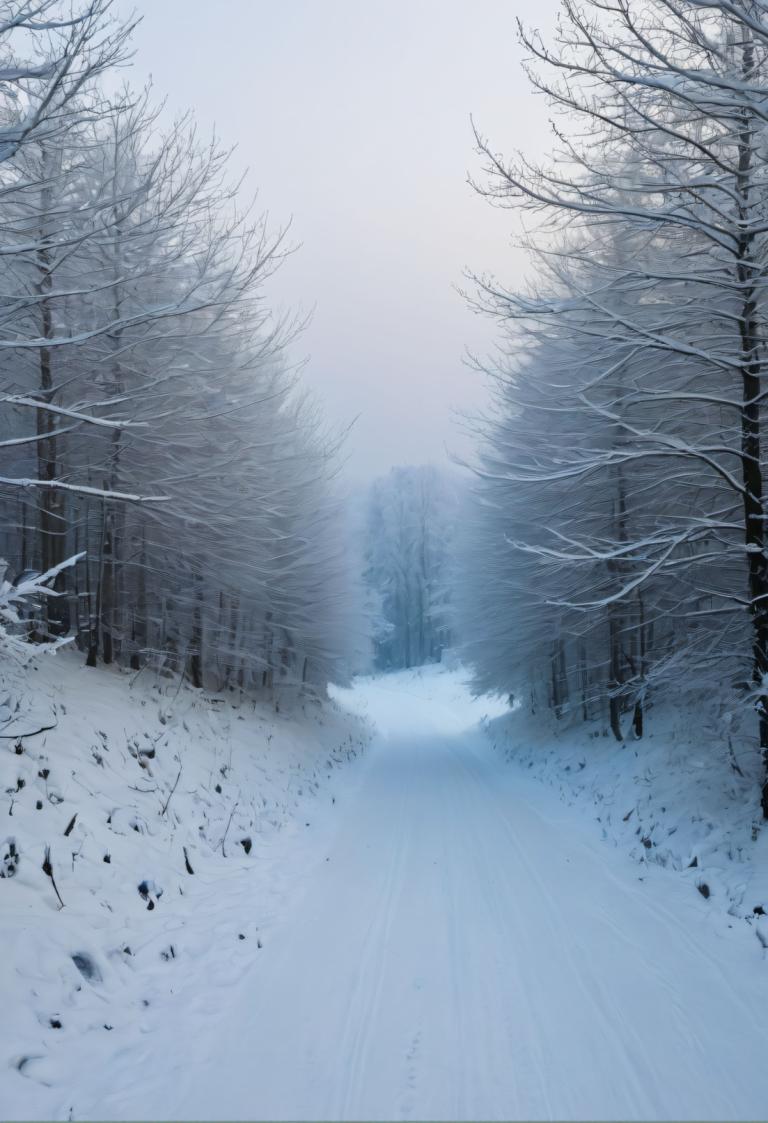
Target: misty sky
{"type": "Point", "coordinates": [352, 117]}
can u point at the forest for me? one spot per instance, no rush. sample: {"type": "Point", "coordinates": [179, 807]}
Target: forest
{"type": "Point", "coordinates": [153, 425]}
{"type": "Point", "coordinates": [620, 512]}
{"type": "Point", "coordinates": [155, 428]}
{"type": "Point", "coordinates": [338, 782]}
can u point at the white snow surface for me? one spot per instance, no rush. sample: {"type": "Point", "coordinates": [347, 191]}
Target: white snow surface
{"type": "Point", "coordinates": [162, 973]}
{"type": "Point", "coordinates": [448, 939]}
{"type": "Point", "coordinates": [685, 796]}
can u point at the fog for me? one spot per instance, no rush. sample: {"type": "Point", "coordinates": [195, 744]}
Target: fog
{"type": "Point", "coordinates": [353, 122]}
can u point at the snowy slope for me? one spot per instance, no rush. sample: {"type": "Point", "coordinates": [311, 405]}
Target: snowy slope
{"type": "Point", "coordinates": [685, 797]}
{"type": "Point", "coordinates": [460, 945]}
{"type": "Point", "coordinates": [166, 813]}
{"type": "Point", "coordinates": [449, 939]}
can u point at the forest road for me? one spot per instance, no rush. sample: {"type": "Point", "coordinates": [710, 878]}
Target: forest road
{"type": "Point", "coordinates": [466, 947]}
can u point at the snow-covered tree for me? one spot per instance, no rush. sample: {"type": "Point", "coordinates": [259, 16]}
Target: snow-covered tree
{"type": "Point", "coordinates": [409, 531]}
{"type": "Point", "coordinates": [625, 471]}
{"type": "Point", "coordinates": [151, 419]}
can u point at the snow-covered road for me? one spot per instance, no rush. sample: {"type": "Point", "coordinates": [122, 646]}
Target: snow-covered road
{"type": "Point", "coordinates": [461, 945]}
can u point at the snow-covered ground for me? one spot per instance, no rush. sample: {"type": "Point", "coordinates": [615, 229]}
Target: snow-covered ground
{"type": "Point", "coordinates": [686, 796]}
{"type": "Point", "coordinates": [172, 873]}
{"type": "Point", "coordinates": [449, 939]}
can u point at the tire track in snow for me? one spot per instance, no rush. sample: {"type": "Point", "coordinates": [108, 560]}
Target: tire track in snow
{"type": "Point", "coordinates": [486, 860]}
{"type": "Point", "coordinates": [456, 950]}
{"type": "Point", "coordinates": [366, 998]}
{"type": "Point", "coordinates": [605, 1015]}
{"type": "Point", "coordinates": [649, 1100]}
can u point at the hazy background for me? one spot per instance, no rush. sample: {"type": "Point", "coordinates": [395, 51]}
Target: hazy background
{"type": "Point", "coordinates": [352, 117]}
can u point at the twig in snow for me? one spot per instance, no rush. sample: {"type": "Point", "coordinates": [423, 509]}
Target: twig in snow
{"type": "Point", "coordinates": [734, 762]}
{"type": "Point", "coordinates": [48, 871]}
{"type": "Point", "coordinates": [173, 789]}
{"type": "Point", "coordinates": [178, 688]}
{"type": "Point", "coordinates": [226, 832]}
{"type": "Point", "coordinates": [133, 680]}
{"type": "Point", "coordinates": [21, 736]}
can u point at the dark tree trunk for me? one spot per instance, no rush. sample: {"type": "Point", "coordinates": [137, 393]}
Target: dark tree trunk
{"type": "Point", "coordinates": [754, 508]}
{"type": "Point", "coordinates": [614, 701]}
{"type": "Point", "coordinates": [52, 524]}
{"type": "Point", "coordinates": [196, 646]}
{"type": "Point", "coordinates": [139, 617]}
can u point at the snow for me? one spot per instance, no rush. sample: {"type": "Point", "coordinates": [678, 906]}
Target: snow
{"type": "Point", "coordinates": [449, 939]}
{"type": "Point", "coordinates": [685, 796]}
{"type": "Point", "coordinates": [166, 946]}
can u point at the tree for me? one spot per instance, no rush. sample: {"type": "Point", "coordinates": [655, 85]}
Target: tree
{"type": "Point", "coordinates": [410, 521]}
{"type": "Point", "coordinates": [172, 445]}
{"type": "Point", "coordinates": [667, 187]}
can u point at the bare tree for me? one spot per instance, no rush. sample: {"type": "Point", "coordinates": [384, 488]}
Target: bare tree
{"type": "Point", "coordinates": [668, 178]}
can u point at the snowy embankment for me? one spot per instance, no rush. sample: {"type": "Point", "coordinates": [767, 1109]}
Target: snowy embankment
{"type": "Point", "coordinates": [447, 940]}
{"type": "Point", "coordinates": [164, 812]}
{"type": "Point", "coordinates": [468, 948]}
{"type": "Point", "coordinates": [685, 797]}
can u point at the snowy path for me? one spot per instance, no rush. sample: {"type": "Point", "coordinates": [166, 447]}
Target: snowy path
{"type": "Point", "coordinates": [464, 947]}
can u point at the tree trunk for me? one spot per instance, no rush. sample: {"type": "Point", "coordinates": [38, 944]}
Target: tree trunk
{"type": "Point", "coordinates": [196, 645]}
{"type": "Point", "coordinates": [614, 701]}
{"type": "Point", "coordinates": [50, 502]}
{"type": "Point", "coordinates": [752, 474]}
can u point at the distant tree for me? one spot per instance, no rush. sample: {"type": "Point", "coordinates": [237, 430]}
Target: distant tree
{"type": "Point", "coordinates": [409, 533]}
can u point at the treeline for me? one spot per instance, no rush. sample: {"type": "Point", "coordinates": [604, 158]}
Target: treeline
{"type": "Point", "coordinates": [151, 421]}
{"type": "Point", "coordinates": [409, 528]}
{"type": "Point", "coordinates": [617, 540]}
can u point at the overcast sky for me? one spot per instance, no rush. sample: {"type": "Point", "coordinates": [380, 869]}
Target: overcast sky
{"type": "Point", "coordinates": [352, 117]}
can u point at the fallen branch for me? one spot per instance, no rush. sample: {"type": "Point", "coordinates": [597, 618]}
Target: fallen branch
{"type": "Point", "coordinates": [48, 871]}
{"type": "Point", "coordinates": [226, 832]}
{"type": "Point", "coordinates": [173, 789]}
{"type": "Point", "coordinates": [21, 736]}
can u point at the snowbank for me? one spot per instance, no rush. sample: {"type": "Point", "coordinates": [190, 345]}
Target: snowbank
{"type": "Point", "coordinates": [163, 812]}
{"type": "Point", "coordinates": [685, 797]}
